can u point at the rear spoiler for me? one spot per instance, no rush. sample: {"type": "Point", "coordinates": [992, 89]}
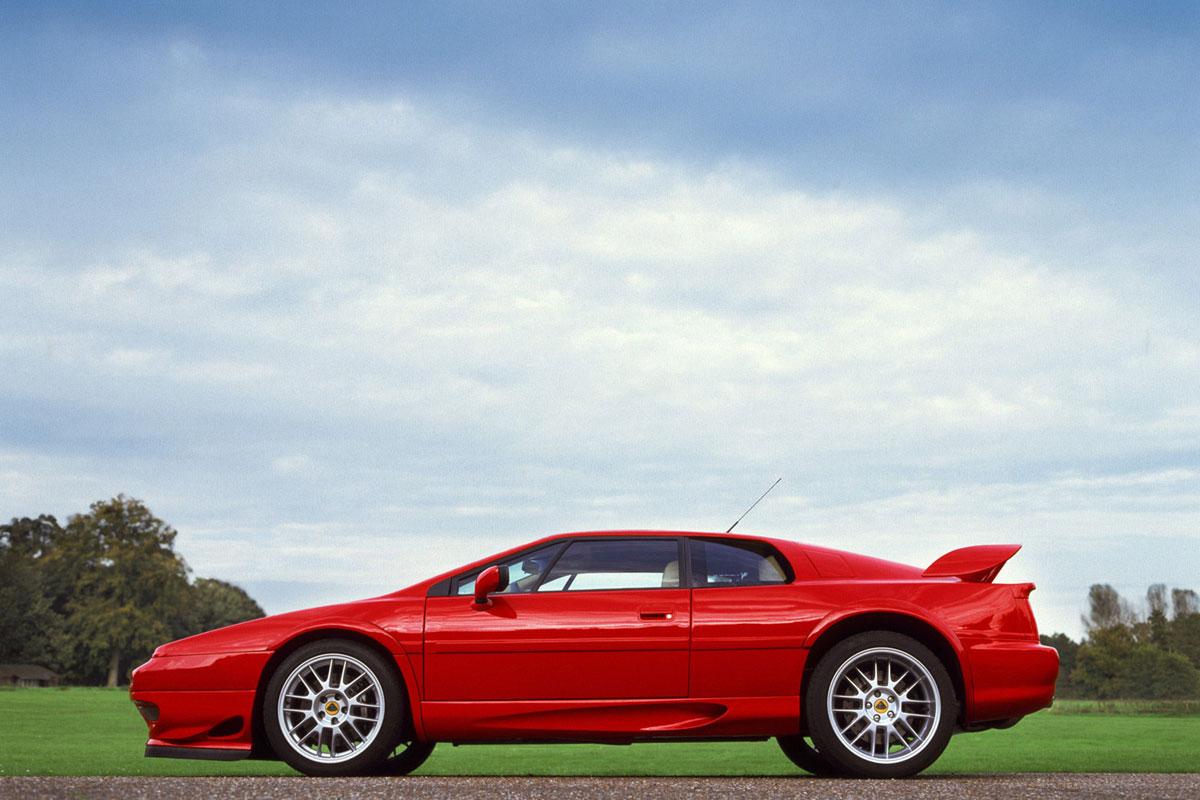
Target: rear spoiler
{"type": "Point", "coordinates": [978, 564]}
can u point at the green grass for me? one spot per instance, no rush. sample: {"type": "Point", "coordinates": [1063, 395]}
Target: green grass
{"type": "Point", "coordinates": [1163, 708]}
{"type": "Point", "coordinates": [98, 732]}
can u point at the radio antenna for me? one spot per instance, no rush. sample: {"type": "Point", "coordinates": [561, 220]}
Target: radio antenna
{"type": "Point", "coordinates": [752, 505]}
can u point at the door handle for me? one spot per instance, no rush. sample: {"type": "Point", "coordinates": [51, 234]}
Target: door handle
{"type": "Point", "coordinates": [656, 613]}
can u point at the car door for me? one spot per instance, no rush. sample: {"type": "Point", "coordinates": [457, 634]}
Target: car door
{"type": "Point", "coordinates": [747, 620]}
{"type": "Point", "coordinates": [585, 618]}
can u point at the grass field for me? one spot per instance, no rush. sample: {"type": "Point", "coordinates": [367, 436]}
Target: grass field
{"type": "Point", "coordinates": [98, 732]}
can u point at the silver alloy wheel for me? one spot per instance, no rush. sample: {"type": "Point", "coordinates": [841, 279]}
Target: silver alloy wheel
{"type": "Point", "coordinates": [884, 705]}
{"type": "Point", "coordinates": [330, 708]}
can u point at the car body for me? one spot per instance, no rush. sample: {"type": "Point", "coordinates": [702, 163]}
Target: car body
{"type": "Point", "coordinates": [620, 636]}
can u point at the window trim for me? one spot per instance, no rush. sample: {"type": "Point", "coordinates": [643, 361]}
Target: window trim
{"type": "Point", "coordinates": [449, 586]}
{"type": "Point", "coordinates": [680, 550]}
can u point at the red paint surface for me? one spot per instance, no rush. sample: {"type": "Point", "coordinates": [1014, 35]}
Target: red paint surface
{"type": "Point", "coordinates": [558, 646]}
{"type": "Point", "coordinates": [618, 665]}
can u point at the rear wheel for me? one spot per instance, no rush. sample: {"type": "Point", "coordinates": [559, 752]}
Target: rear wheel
{"type": "Point", "coordinates": [880, 705]}
{"type": "Point", "coordinates": [334, 707]}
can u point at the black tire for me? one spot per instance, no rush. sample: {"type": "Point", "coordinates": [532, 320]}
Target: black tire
{"type": "Point", "coordinates": [406, 758]}
{"type": "Point", "coordinates": [344, 711]}
{"type": "Point", "coordinates": [805, 756]}
{"type": "Point", "coordinates": [889, 686]}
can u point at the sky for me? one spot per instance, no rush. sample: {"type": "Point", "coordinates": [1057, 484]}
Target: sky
{"type": "Point", "coordinates": [351, 294]}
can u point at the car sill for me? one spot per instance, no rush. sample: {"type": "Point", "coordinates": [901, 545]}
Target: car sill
{"type": "Point", "coordinates": [203, 753]}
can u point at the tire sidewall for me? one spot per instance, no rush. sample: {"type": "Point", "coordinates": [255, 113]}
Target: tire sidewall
{"type": "Point", "coordinates": [805, 756]}
{"type": "Point", "coordinates": [391, 726]}
{"type": "Point", "coordinates": [821, 727]}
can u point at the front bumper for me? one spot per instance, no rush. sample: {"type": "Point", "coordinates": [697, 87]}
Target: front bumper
{"type": "Point", "coordinates": [199, 706]}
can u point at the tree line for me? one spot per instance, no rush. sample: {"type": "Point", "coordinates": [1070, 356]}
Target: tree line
{"type": "Point", "coordinates": [1150, 653]}
{"type": "Point", "coordinates": [92, 599]}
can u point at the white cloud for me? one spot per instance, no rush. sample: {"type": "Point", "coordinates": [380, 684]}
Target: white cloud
{"type": "Point", "coordinates": [287, 465]}
{"type": "Point", "coordinates": [415, 303]}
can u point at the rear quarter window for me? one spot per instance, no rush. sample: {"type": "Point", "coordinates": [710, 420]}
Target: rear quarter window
{"type": "Point", "coordinates": [737, 562]}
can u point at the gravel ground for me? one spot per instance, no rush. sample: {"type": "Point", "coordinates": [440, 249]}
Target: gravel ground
{"type": "Point", "coordinates": [951, 787]}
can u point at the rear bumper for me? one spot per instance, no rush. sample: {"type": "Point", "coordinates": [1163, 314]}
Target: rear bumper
{"type": "Point", "coordinates": [1010, 679]}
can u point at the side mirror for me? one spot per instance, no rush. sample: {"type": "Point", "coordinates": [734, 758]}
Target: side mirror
{"type": "Point", "coordinates": [490, 581]}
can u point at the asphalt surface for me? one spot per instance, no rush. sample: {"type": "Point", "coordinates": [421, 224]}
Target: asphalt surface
{"type": "Point", "coordinates": [935, 787]}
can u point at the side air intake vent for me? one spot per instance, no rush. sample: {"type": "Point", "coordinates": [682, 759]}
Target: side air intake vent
{"type": "Point", "coordinates": [230, 727]}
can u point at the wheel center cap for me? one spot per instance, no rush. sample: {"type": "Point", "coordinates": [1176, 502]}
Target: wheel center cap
{"type": "Point", "coordinates": [881, 706]}
{"type": "Point", "coordinates": [332, 708]}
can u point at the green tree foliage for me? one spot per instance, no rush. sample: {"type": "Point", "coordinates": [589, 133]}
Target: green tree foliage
{"type": "Point", "coordinates": [1157, 624]}
{"type": "Point", "coordinates": [1112, 665]}
{"type": "Point", "coordinates": [120, 584]}
{"type": "Point", "coordinates": [1126, 656]}
{"type": "Point", "coordinates": [1185, 601]}
{"type": "Point", "coordinates": [30, 631]}
{"type": "Point", "coordinates": [1106, 609]}
{"type": "Point", "coordinates": [93, 599]}
{"type": "Point", "coordinates": [1100, 663]}
{"type": "Point", "coordinates": [1067, 651]}
{"type": "Point", "coordinates": [1185, 637]}
{"type": "Point", "coordinates": [1156, 674]}
{"type": "Point", "coordinates": [218, 604]}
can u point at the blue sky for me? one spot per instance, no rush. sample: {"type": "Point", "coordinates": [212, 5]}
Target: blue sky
{"type": "Point", "coordinates": [354, 293]}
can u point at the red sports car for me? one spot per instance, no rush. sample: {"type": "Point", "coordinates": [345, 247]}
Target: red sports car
{"type": "Point", "coordinates": [617, 637]}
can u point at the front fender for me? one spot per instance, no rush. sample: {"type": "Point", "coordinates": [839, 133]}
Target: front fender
{"type": "Point", "coordinates": [332, 626]}
{"type": "Point", "coordinates": [354, 624]}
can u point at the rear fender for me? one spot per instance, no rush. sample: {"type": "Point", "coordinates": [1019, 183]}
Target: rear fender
{"type": "Point", "coordinates": [897, 608]}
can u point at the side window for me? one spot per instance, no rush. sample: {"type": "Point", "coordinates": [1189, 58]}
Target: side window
{"type": "Point", "coordinates": [523, 571]}
{"type": "Point", "coordinates": [615, 564]}
{"type": "Point", "coordinates": [732, 562]}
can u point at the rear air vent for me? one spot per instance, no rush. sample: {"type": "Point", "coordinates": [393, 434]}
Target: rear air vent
{"type": "Point", "coordinates": [149, 710]}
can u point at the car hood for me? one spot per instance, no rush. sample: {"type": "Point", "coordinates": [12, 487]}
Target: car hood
{"type": "Point", "coordinates": [266, 633]}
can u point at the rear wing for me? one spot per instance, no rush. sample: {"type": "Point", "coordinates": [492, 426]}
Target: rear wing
{"type": "Point", "coordinates": [978, 564]}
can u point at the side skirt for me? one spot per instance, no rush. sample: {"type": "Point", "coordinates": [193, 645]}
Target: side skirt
{"type": "Point", "coordinates": [201, 753]}
{"type": "Point", "coordinates": [617, 742]}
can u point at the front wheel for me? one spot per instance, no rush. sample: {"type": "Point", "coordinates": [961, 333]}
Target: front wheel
{"type": "Point", "coordinates": [880, 705]}
{"type": "Point", "coordinates": [334, 707]}
{"type": "Point", "coordinates": [805, 756]}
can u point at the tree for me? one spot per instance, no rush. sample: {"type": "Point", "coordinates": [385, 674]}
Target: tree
{"type": "Point", "coordinates": [119, 584]}
{"type": "Point", "coordinates": [1185, 637]}
{"type": "Point", "coordinates": [218, 604]}
{"type": "Point", "coordinates": [100, 594]}
{"type": "Point", "coordinates": [30, 630]}
{"type": "Point", "coordinates": [1185, 601]}
{"type": "Point", "coordinates": [1153, 674]}
{"type": "Point", "coordinates": [1100, 665]}
{"type": "Point", "coordinates": [1106, 609]}
{"type": "Point", "coordinates": [1115, 662]}
{"type": "Point", "coordinates": [1067, 652]}
{"type": "Point", "coordinates": [1156, 622]}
